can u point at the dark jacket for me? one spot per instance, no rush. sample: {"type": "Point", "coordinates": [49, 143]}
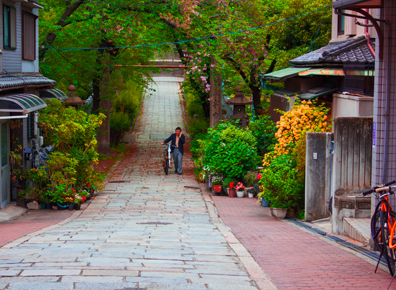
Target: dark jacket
{"type": "Point", "coordinates": [181, 142]}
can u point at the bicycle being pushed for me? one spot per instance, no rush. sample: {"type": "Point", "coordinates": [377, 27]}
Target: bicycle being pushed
{"type": "Point", "coordinates": [167, 158]}
{"type": "Point", "coordinates": [383, 225]}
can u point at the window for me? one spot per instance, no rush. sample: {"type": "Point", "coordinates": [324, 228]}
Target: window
{"type": "Point", "coordinates": [28, 36]}
{"type": "Point", "coordinates": [9, 27]}
{"type": "Point", "coordinates": [341, 23]}
{"type": "Point", "coordinates": [30, 125]}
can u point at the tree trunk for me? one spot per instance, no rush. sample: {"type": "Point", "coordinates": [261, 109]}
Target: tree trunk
{"type": "Point", "coordinates": [256, 92]}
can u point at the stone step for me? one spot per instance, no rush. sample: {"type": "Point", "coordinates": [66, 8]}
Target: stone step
{"type": "Point", "coordinates": [357, 228]}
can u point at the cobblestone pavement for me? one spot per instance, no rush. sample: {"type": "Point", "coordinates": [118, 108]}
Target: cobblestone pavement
{"type": "Point", "coordinates": [294, 258]}
{"type": "Point", "coordinates": [145, 230]}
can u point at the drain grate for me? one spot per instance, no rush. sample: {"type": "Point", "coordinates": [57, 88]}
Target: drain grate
{"type": "Point", "coordinates": [118, 181]}
{"type": "Point", "coordinates": [335, 238]}
{"type": "Point", "coordinates": [192, 187]}
{"type": "Point", "coordinates": [154, 223]}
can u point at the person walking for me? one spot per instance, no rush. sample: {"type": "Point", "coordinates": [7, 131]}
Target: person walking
{"type": "Point", "coordinates": [178, 140]}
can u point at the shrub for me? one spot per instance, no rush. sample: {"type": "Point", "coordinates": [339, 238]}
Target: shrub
{"type": "Point", "coordinates": [250, 178]}
{"type": "Point", "coordinates": [128, 100]}
{"type": "Point", "coordinates": [264, 130]}
{"type": "Point", "coordinates": [199, 126]}
{"type": "Point", "coordinates": [198, 147]}
{"type": "Point", "coordinates": [281, 183]}
{"type": "Point", "coordinates": [119, 124]}
{"type": "Point", "coordinates": [231, 151]}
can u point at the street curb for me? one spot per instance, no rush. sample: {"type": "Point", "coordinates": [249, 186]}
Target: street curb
{"type": "Point", "coordinates": [23, 239]}
{"type": "Point", "coordinates": [262, 280]}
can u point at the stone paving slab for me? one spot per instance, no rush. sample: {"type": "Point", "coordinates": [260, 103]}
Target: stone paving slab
{"type": "Point", "coordinates": [150, 231]}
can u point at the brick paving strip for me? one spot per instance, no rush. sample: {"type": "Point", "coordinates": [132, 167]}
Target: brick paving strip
{"type": "Point", "coordinates": [145, 230]}
{"type": "Point", "coordinates": [293, 257]}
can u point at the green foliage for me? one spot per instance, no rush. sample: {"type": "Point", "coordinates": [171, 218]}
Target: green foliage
{"type": "Point", "coordinates": [217, 181]}
{"type": "Point", "coordinates": [119, 124]}
{"type": "Point", "coordinates": [198, 147]}
{"type": "Point", "coordinates": [231, 150]}
{"type": "Point", "coordinates": [301, 214]}
{"type": "Point", "coordinates": [250, 178]}
{"type": "Point", "coordinates": [264, 129]}
{"type": "Point", "coordinates": [125, 109]}
{"type": "Point", "coordinates": [194, 107]}
{"type": "Point", "coordinates": [280, 184]}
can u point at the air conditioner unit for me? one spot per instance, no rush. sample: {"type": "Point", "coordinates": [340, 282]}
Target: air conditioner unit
{"type": "Point", "coordinates": [40, 141]}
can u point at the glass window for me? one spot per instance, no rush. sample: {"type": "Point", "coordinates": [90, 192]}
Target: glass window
{"type": "Point", "coordinates": [9, 27]}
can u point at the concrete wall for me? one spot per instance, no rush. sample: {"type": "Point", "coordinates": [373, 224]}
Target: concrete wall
{"type": "Point", "coordinates": [317, 175]}
{"type": "Point", "coordinates": [352, 106]}
{"type": "Point", "coordinates": [351, 169]}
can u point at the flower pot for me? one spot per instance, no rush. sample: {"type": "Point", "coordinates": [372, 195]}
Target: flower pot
{"type": "Point", "coordinates": [71, 206]}
{"type": "Point", "coordinates": [264, 202]}
{"type": "Point", "coordinates": [251, 195]}
{"type": "Point", "coordinates": [240, 193]}
{"type": "Point", "coordinates": [279, 213]}
{"type": "Point", "coordinates": [232, 192]}
{"type": "Point", "coordinates": [48, 205]}
{"type": "Point", "coordinates": [228, 191]}
{"type": "Point", "coordinates": [42, 205]}
{"type": "Point", "coordinates": [77, 206]}
{"type": "Point", "coordinates": [217, 188]}
{"type": "Point", "coordinates": [62, 206]}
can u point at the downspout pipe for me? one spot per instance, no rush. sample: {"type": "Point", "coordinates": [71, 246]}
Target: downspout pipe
{"type": "Point", "coordinates": [387, 105]}
{"type": "Point", "coordinates": [368, 37]}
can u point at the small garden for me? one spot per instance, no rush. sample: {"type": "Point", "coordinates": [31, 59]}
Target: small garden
{"type": "Point", "coordinates": [67, 179]}
{"type": "Point", "coordinates": [263, 160]}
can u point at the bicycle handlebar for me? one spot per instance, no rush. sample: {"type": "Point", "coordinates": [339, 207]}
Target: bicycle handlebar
{"type": "Point", "coordinates": [166, 144]}
{"type": "Point", "coordinates": [379, 188]}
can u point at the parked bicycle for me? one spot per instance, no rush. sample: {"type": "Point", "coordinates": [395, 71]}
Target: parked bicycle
{"type": "Point", "coordinates": [167, 158]}
{"type": "Point", "coordinates": [383, 225]}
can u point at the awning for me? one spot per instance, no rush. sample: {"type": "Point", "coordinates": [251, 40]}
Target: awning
{"type": "Point", "coordinates": [284, 74]}
{"type": "Point", "coordinates": [21, 103]}
{"type": "Point", "coordinates": [345, 4]}
{"type": "Point", "coordinates": [317, 92]}
{"type": "Point", "coordinates": [285, 93]}
{"type": "Point", "coordinates": [335, 72]}
{"type": "Point", "coordinates": [53, 93]}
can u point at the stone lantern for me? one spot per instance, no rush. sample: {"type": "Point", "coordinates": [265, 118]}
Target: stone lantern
{"type": "Point", "coordinates": [73, 100]}
{"type": "Point", "coordinates": [239, 102]}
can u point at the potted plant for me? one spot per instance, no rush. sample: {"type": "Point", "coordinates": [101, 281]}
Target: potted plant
{"type": "Point", "coordinates": [240, 188]}
{"type": "Point", "coordinates": [70, 202]}
{"type": "Point", "coordinates": [232, 190]}
{"type": "Point", "coordinates": [226, 185]}
{"type": "Point", "coordinates": [78, 200]}
{"type": "Point", "coordinates": [252, 192]}
{"type": "Point", "coordinates": [217, 185]}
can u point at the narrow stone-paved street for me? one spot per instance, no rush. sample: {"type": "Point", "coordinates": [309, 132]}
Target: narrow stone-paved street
{"type": "Point", "coordinates": [145, 230]}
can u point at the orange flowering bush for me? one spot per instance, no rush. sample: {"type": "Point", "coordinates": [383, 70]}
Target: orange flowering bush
{"type": "Point", "coordinates": [304, 117]}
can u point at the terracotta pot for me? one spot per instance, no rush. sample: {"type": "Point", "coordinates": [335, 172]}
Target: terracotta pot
{"type": "Point", "coordinates": [232, 192]}
{"type": "Point", "coordinates": [279, 213]}
{"type": "Point", "coordinates": [217, 188]}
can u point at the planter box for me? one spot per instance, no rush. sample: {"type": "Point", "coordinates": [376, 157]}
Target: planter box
{"type": "Point", "coordinates": [279, 213]}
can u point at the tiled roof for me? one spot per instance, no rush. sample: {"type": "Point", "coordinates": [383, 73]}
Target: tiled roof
{"type": "Point", "coordinates": [353, 50]}
{"type": "Point", "coordinates": [11, 81]}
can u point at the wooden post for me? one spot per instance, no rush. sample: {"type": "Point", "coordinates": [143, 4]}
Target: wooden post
{"type": "Point", "coordinates": [215, 96]}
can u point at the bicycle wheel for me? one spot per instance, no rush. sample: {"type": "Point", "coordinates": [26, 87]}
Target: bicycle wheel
{"type": "Point", "coordinates": [376, 226]}
{"type": "Point", "coordinates": [166, 167]}
{"type": "Point", "coordinates": [387, 252]}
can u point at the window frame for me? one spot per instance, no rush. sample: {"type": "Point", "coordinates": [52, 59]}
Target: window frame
{"type": "Point", "coordinates": [11, 34]}
{"type": "Point", "coordinates": [23, 36]}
